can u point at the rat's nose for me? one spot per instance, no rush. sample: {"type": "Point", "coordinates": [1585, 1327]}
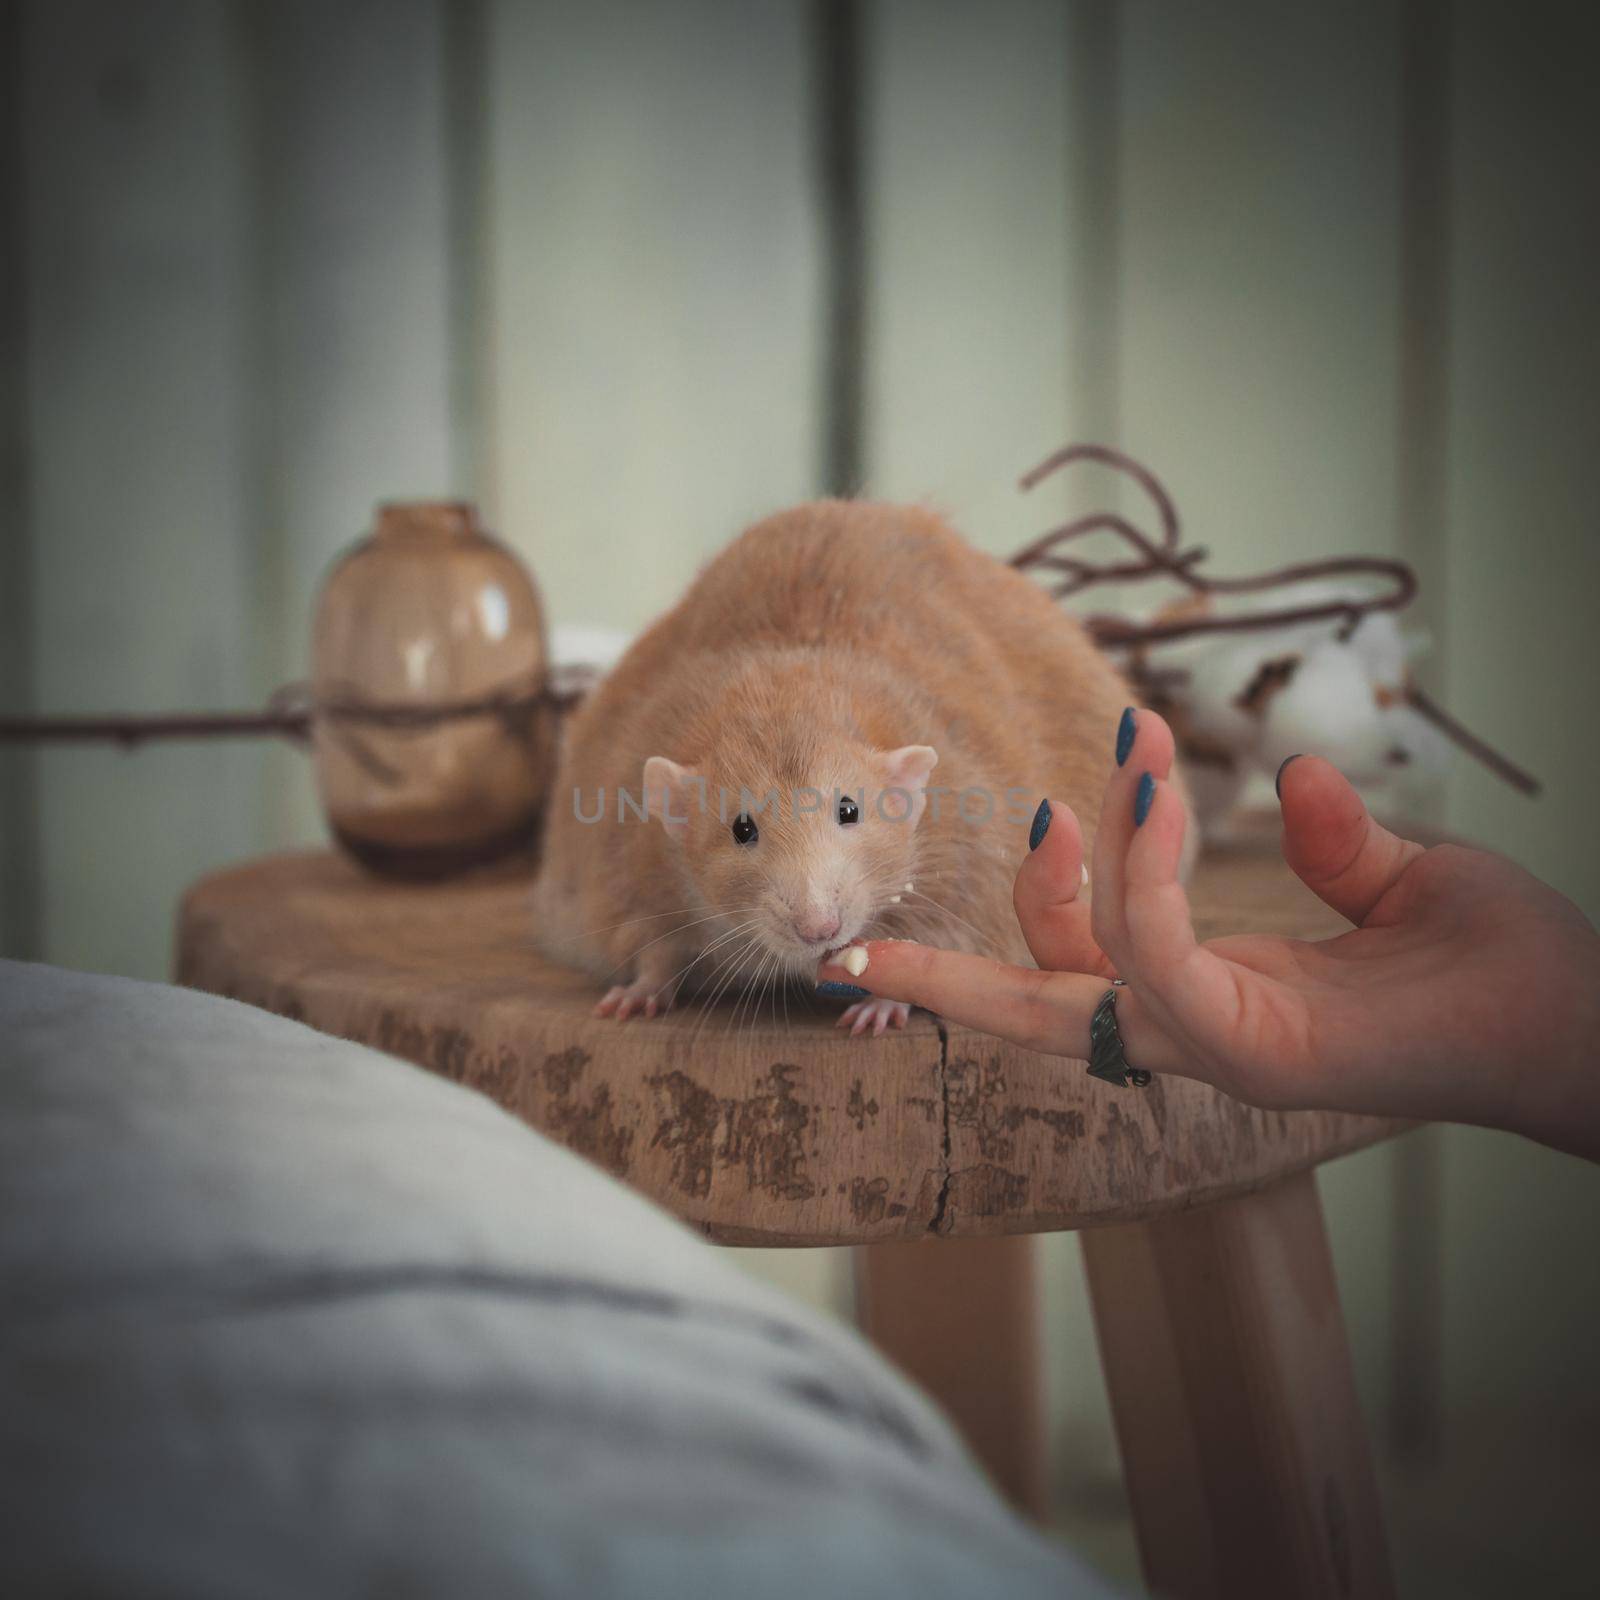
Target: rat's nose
{"type": "Point", "coordinates": [815, 925]}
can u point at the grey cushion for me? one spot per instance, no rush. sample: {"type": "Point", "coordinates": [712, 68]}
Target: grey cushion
{"type": "Point", "coordinates": [280, 1315]}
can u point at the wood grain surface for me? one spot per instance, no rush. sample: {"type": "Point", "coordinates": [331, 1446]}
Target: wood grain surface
{"type": "Point", "coordinates": [766, 1129]}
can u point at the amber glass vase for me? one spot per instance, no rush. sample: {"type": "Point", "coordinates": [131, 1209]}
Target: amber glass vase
{"type": "Point", "coordinates": [431, 738]}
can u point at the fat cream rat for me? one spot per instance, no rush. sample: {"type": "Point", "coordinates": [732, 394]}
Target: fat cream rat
{"type": "Point", "coordinates": [839, 733]}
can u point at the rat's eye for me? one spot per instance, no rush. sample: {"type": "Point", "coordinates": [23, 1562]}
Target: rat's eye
{"type": "Point", "coordinates": [849, 813]}
{"type": "Point", "coordinates": [744, 830]}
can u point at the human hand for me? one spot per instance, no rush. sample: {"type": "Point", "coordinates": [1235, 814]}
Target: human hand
{"type": "Point", "coordinates": [1466, 991]}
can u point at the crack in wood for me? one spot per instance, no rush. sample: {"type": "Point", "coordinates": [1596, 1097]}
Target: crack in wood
{"type": "Point", "coordinates": [939, 1221]}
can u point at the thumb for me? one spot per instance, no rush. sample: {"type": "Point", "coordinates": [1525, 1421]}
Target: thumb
{"type": "Point", "coordinates": [1331, 841]}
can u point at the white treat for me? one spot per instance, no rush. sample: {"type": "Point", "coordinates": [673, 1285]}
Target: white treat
{"type": "Point", "coordinates": [894, 899]}
{"type": "Point", "coordinates": [854, 961]}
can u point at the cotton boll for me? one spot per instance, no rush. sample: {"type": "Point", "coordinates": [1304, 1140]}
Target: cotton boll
{"type": "Point", "coordinates": [1218, 677]}
{"type": "Point", "coordinates": [1329, 709]}
{"type": "Point", "coordinates": [1423, 751]}
{"type": "Point", "coordinates": [1299, 687]}
{"type": "Point", "coordinates": [1418, 643]}
{"type": "Point", "coordinates": [1382, 649]}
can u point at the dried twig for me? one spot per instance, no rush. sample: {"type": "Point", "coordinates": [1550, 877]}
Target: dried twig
{"type": "Point", "coordinates": [1168, 559]}
{"type": "Point", "coordinates": [290, 713]}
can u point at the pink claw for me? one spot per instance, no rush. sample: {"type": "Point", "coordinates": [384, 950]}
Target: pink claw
{"type": "Point", "coordinates": [878, 1014]}
{"type": "Point", "coordinates": [633, 999]}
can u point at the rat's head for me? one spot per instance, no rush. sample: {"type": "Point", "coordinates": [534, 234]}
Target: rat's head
{"type": "Point", "coordinates": [806, 839]}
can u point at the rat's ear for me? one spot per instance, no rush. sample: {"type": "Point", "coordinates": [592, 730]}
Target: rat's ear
{"type": "Point", "coordinates": [906, 770]}
{"type": "Point", "coordinates": [669, 791]}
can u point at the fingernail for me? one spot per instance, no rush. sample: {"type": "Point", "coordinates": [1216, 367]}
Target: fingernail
{"type": "Point", "coordinates": [843, 991]}
{"type": "Point", "coordinates": [1126, 729]}
{"type": "Point", "coordinates": [1277, 782]}
{"type": "Point", "coordinates": [1041, 825]}
{"type": "Point", "coordinates": [1143, 798]}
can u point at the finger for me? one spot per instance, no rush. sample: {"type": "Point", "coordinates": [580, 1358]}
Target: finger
{"type": "Point", "coordinates": [1155, 909]}
{"type": "Point", "coordinates": [1189, 987]}
{"type": "Point", "coordinates": [1048, 895]}
{"type": "Point", "coordinates": [1147, 753]}
{"type": "Point", "coordinates": [1331, 841]}
{"type": "Point", "coordinates": [1046, 1011]}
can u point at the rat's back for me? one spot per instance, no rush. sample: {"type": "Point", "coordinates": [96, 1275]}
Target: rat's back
{"type": "Point", "coordinates": [1002, 662]}
{"type": "Point", "coordinates": [853, 573]}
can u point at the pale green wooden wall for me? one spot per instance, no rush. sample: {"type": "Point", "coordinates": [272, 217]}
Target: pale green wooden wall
{"type": "Point", "coordinates": [1328, 269]}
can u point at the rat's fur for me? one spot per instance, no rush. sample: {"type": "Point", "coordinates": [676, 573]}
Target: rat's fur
{"type": "Point", "coordinates": [819, 641]}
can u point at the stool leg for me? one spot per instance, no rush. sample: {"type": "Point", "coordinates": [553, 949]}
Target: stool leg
{"type": "Point", "coordinates": [961, 1318]}
{"type": "Point", "coordinates": [1246, 1459]}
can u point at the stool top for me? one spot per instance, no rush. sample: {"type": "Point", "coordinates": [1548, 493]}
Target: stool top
{"type": "Point", "coordinates": [767, 1130]}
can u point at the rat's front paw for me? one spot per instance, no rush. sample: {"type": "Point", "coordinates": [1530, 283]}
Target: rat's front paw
{"type": "Point", "coordinates": [624, 999]}
{"type": "Point", "coordinates": [876, 1014]}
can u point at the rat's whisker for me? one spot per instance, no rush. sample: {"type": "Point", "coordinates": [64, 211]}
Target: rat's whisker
{"type": "Point", "coordinates": [769, 990]}
{"type": "Point", "coordinates": [730, 960]}
{"type": "Point", "coordinates": [612, 927]}
{"type": "Point", "coordinates": [753, 957]}
{"type": "Point", "coordinates": [693, 923]}
{"type": "Point", "coordinates": [745, 991]}
{"type": "Point", "coordinates": [655, 916]}
{"type": "Point", "coordinates": [727, 938]}
{"type": "Point", "coordinates": [734, 973]}
{"type": "Point", "coordinates": [752, 993]}
{"type": "Point", "coordinates": [985, 943]}
{"type": "Point", "coordinates": [715, 944]}
{"type": "Point", "coordinates": [723, 937]}
{"type": "Point", "coordinates": [730, 965]}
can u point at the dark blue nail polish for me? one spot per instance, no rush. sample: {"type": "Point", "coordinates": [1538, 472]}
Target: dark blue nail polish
{"type": "Point", "coordinates": [1041, 825]}
{"type": "Point", "coordinates": [1126, 729]}
{"type": "Point", "coordinates": [1143, 798]}
{"type": "Point", "coordinates": [1277, 782]}
{"type": "Point", "coordinates": [843, 991]}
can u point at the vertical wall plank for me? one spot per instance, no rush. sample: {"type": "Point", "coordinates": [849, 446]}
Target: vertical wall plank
{"type": "Point", "coordinates": [19, 878]}
{"type": "Point", "coordinates": [136, 236]}
{"type": "Point", "coordinates": [1524, 424]}
{"type": "Point", "coordinates": [1093, 197]}
{"type": "Point", "coordinates": [357, 300]}
{"type": "Point", "coordinates": [972, 309]}
{"type": "Point", "coordinates": [1524, 417]}
{"type": "Point", "coordinates": [838, 102]}
{"type": "Point", "coordinates": [1414, 1405]}
{"type": "Point", "coordinates": [655, 286]}
{"type": "Point", "coordinates": [1259, 291]}
{"type": "Point", "coordinates": [467, 118]}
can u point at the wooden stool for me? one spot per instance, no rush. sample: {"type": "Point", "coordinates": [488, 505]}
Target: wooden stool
{"type": "Point", "coordinates": [1247, 1464]}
